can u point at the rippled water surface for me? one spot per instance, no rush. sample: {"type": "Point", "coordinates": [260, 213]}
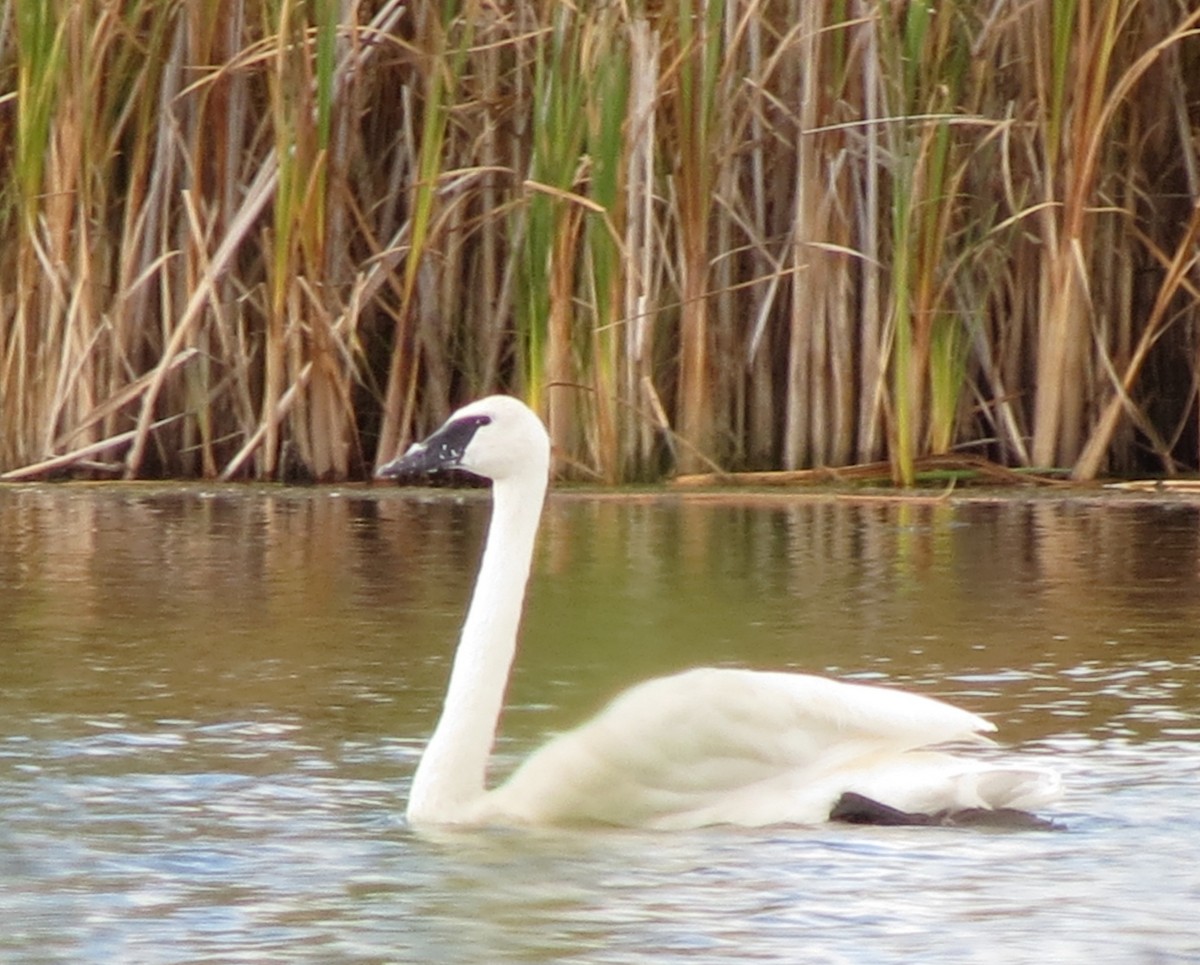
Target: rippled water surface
{"type": "Point", "coordinates": [212, 700]}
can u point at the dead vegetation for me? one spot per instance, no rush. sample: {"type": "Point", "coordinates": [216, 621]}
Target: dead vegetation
{"type": "Point", "coordinates": [275, 238]}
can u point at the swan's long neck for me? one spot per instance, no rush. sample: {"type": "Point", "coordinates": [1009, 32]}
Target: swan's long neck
{"type": "Point", "coordinates": [452, 772]}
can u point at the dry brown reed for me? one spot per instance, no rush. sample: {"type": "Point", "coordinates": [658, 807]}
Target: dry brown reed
{"type": "Point", "coordinates": [279, 238]}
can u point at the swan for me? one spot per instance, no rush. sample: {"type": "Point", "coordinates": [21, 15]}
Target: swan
{"type": "Point", "coordinates": [705, 746]}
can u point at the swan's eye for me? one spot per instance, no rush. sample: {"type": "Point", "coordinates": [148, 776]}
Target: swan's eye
{"type": "Point", "coordinates": [454, 437]}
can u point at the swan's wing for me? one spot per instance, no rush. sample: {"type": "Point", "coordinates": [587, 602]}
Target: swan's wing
{"type": "Point", "coordinates": [725, 746]}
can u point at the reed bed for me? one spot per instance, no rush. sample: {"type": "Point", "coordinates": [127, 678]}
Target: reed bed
{"type": "Point", "coordinates": [280, 238]}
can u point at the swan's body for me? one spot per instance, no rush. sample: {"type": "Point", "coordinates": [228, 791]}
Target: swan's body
{"type": "Point", "coordinates": [706, 746]}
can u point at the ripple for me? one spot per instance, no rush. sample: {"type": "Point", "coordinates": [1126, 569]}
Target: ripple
{"type": "Point", "coordinates": [176, 787]}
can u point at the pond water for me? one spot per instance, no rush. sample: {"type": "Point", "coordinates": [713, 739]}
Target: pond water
{"type": "Point", "coordinates": [212, 700]}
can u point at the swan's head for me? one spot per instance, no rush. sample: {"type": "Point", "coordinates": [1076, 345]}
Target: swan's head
{"type": "Point", "coordinates": [498, 438]}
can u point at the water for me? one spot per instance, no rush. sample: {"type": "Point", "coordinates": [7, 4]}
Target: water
{"type": "Point", "coordinates": [213, 699]}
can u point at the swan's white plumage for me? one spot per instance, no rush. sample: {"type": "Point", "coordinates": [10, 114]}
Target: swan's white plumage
{"type": "Point", "coordinates": [724, 746]}
{"type": "Point", "coordinates": [705, 746]}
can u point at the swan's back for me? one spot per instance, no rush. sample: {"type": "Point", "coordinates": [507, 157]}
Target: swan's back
{"type": "Point", "coordinates": [731, 746]}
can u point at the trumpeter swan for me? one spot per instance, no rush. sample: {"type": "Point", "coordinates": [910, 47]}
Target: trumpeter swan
{"type": "Point", "coordinates": [701, 747]}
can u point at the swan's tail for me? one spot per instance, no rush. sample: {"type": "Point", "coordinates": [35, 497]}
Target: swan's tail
{"type": "Point", "coordinates": [926, 787]}
{"type": "Point", "coordinates": [1020, 788]}
{"type": "Point", "coordinates": [999, 797]}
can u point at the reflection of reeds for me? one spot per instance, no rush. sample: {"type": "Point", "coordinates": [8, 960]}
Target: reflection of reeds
{"type": "Point", "coordinates": [272, 237]}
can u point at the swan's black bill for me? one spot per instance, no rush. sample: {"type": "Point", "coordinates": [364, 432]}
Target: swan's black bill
{"type": "Point", "coordinates": [442, 450]}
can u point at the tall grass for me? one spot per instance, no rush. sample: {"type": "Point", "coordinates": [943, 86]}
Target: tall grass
{"type": "Point", "coordinates": [279, 238]}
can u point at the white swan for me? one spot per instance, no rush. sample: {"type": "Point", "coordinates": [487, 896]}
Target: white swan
{"type": "Point", "coordinates": [706, 746]}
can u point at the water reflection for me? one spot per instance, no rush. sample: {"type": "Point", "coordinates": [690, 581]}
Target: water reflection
{"type": "Point", "coordinates": [213, 698]}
